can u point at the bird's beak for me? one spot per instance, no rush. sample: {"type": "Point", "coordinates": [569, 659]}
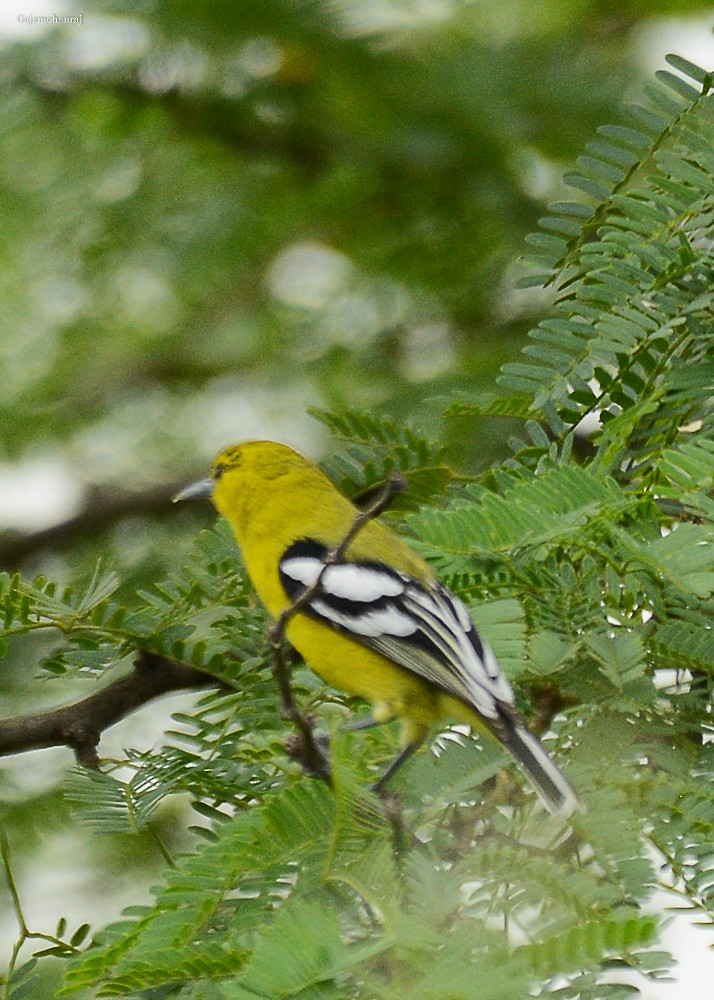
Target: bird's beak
{"type": "Point", "coordinates": [201, 488]}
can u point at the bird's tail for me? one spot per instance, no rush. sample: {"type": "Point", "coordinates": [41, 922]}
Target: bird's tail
{"type": "Point", "coordinates": [555, 790]}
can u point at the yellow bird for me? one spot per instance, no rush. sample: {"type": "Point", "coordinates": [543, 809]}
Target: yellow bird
{"type": "Point", "coordinates": [379, 624]}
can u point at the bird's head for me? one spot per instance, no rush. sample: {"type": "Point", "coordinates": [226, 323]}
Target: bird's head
{"type": "Point", "coordinates": [244, 475]}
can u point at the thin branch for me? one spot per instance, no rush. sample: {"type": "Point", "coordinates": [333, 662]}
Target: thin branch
{"type": "Point", "coordinates": [79, 726]}
{"type": "Point", "coordinates": [11, 884]}
{"type": "Point", "coordinates": [58, 946]}
{"type": "Point", "coordinates": [307, 747]}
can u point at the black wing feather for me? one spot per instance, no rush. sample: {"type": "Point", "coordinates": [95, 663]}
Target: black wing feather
{"type": "Point", "coordinates": [426, 630]}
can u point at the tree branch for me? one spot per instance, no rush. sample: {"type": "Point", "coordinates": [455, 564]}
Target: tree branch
{"type": "Point", "coordinates": [80, 726]}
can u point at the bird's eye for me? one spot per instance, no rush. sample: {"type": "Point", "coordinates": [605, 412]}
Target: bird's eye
{"type": "Point", "coordinates": [218, 471]}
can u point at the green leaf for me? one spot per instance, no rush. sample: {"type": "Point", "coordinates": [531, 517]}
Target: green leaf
{"type": "Point", "coordinates": [545, 508]}
{"type": "Point", "coordinates": [690, 69]}
{"type": "Point", "coordinates": [677, 84]}
{"type": "Point", "coordinates": [684, 557]}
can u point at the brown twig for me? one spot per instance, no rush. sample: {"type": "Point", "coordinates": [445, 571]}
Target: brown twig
{"type": "Point", "coordinates": [80, 725]}
{"type": "Point", "coordinates": [307, 748]}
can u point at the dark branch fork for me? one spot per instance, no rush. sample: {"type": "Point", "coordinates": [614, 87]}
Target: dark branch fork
{"type": "Point", "coordinates": [80, 725]}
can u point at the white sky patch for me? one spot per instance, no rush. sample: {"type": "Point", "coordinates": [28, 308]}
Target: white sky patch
{"type": "Point", "coordinates": [367, 17]}
{"type": "Point", "coordinates": [308, 275]}
{"type": "Point", "coordinates": [100, 43]}
{"type": "Point", "coordinates": [11, 27]}
{"type": "Point", "coordinates": [147, 299]}
{"type": "Point", "coordinates": [259, 57]}
{"type": "Point", "coordinates": [690, 37]}
{"type": "Point", "coordinates": [136, 444]}
{"type": "Point", "coordinates": [428, 350]}
{"type": "Point", "coordinates": [37, 493]}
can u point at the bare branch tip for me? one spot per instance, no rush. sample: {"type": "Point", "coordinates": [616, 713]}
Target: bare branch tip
{"type": "Point", "coordinates": [397, 483]}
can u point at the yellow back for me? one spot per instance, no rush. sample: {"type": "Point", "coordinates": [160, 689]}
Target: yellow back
{"type": "Point", "coordinates": [272, 496]}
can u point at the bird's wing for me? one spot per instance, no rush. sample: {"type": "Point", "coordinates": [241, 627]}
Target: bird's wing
{"type": "Point", "coordinates": [424, 628]}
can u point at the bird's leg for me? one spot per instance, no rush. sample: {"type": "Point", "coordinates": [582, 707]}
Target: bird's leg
{"type": "Point", "coordinates": [392, 801]}
{"type": "Point", "coordinates": [369, 722]}
{"type": "Point", "coordinates": [404, 754]}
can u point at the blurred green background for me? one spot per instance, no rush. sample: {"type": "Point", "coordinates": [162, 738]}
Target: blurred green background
{"type": "Point", "coordinates": [215, 214]}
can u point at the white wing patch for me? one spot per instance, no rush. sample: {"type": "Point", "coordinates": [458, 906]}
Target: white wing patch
{"type": "Point", "coordinates": [384, 621]}
{"type": "Point", "coordinates": [425, 629]}
{"type": "Point", "coordinates": [302, 569]}
{"type": "Point", "coordinates": [360, 583]}
{"type": "Point", "coordinates": [348, 580]}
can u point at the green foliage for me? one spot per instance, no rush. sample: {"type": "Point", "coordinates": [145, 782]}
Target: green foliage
{"type": "Point", "coordinates": [23, 981]}
{"type": "Point", "coordinates": [204, 615]}
{"type": "Point", "coordinates": [307, 891]}
{"type": "Point", "coordinates": [538, 512]}
{"type": "Point", "coordinates": [593, 579]}
{"type": "Point", "coordinates": [630, 340]}
{"type": "Point", "coordinates": [375, 448]}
